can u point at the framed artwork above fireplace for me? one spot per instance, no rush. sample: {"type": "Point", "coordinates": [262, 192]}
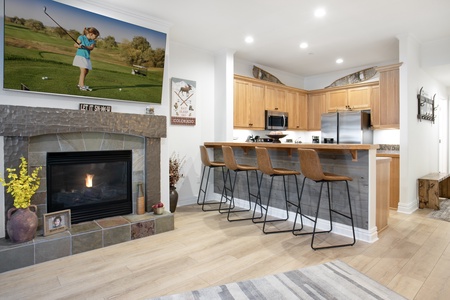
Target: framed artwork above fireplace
{"type": "Point", "coordinates": [41, 41]}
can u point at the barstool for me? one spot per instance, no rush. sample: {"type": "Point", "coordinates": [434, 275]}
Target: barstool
{"type": "Point", "coordinates": [207, 163]}
{"type": "Point", "coordinates": [312, 169]}
{"type": "Point", "coordinates": [265, 166]}
{"type": "Point", "coordinates": [232, 165]}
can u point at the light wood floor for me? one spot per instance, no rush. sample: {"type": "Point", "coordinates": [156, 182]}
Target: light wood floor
{"type": "Point", "coordinates": [412, 257]}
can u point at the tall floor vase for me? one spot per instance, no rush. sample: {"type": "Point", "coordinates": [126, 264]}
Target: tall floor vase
{"type": "Point", "coordinates": [173, 198]}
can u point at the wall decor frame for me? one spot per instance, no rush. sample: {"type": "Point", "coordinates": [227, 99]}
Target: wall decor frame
{"type": "Point", "coordinates": [39, 49]}
{"type": "Point", "coordinates": [56, 222]}
{"type": "Point", "coordinates": [183, 102]}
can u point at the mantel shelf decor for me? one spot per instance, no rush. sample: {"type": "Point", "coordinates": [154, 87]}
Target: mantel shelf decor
{"type": "Point", "coordinates": [426, 107]}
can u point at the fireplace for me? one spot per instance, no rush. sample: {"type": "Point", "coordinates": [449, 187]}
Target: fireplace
{"type": "Point", "coordinates": [33, 131]}
{"type": "Point", "coordinates": [92, 184]}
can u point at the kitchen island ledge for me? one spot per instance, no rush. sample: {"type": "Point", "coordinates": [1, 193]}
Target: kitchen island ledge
{"type": "Point", "coordinates": [337, 148]}
{"type": "Point", "coordinates": [355, 160]}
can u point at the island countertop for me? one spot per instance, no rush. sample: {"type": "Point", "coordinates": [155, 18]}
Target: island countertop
{"type": "Point", "coordinates": [352, 148]}
{"type": "Point", "coordinates": [357, 161]}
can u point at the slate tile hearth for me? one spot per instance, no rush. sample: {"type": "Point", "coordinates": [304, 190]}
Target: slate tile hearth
{"type": "Point", "coordinates": [83, 237]}
{"type": "Point", "coordinates": [33, 131]}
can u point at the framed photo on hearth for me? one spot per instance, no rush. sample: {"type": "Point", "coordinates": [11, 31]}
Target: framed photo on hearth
{"type": "Point", "coordinates": [56, 222]}
{"type": "Point", "coordinates": [50, 47]}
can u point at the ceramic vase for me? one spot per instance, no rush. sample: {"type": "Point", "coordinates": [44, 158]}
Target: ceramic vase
{"type": "Point", "coordinates": [173, 198]}
{"type": "Point", "coordinates": [22, 224]}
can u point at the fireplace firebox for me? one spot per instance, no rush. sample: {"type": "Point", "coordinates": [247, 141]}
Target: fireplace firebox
{"type": "Point", "coordinates": [92, 184]}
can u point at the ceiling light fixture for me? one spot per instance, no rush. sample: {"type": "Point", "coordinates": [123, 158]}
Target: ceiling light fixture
{"type": "Point", "coordinates": [249, 40]}
{"type": "Point", "coordinates": [339, 61]}
{"type": "Point", "coordinates": [304, 45]}
{"type": "Point", "coordinates": [320, 12]}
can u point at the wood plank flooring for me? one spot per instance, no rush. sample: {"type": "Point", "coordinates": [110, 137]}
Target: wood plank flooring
{"type": "Point", "coordinates": [412, 258]}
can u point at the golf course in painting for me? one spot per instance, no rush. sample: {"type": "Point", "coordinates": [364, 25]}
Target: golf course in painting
{"type": "Point", "coordinates": [128, 61]}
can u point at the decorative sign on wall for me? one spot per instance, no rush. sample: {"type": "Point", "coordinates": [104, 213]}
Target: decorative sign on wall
{"type": "Point", "coordinates": [182, 109]}
{"type": "Point", "coordinates": [95, 107]}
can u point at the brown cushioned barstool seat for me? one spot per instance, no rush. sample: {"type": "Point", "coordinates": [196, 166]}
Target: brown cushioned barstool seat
{"type": "Point", "coordinates": [312, 169]}
{"type": "Point", "coordinates": [265, 166]}
{"type": "Point", "coordinates": [207, 163]}
{"type": "Point", "coordinates": [233, 166]}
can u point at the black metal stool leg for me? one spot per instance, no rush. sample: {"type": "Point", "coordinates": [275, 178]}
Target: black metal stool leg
{"type": "Point", "coordinates": [339, 213]}
{"type": "Point", "coordinates": [205, 189]}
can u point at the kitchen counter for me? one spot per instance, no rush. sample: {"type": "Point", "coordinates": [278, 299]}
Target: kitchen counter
{"type": "Point", "coordinates": [358, 161]}
{"type": "Point", "coordinates": [336, 148]}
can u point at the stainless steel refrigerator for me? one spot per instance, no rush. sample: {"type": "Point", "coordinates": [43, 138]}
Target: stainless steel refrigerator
{"type": "Point", "coordinates": [350, 127]}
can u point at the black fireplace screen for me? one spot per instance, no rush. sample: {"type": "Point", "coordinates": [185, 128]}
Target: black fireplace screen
{"type": "Point", "coordinates": [92, 184]}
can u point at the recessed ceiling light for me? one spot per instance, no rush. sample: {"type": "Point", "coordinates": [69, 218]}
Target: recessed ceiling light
{"type": "Point", "coordinates": [320, 12]}
{"type": "Point", "coordinates": [339, 61]}
{"type": "Point", "coordinates": [304, 45]}
{"type": "Point", "coordinates": [249, 40]}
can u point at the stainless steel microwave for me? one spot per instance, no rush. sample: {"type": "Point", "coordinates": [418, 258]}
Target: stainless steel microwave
{"type": "Point", "coordinates": [276, 120]}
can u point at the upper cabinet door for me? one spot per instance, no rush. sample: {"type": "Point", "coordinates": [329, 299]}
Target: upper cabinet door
{"type": "Point", "coordinates": [297, 108]}
{"type": "Point", "coordinates": [275, 98]}
{"type": "Point", "coordinates": [359, 98]}
{"type": "Point", "coordinates": [337, 100]}
{"type": "Point", "coordinates": [248, 105]}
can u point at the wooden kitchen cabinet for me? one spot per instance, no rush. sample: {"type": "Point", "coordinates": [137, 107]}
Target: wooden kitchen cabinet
{"type": "Point", "coordinates": [387, 109]}
{"type": "Point", "coordinates": [349, 98]}
{"type": "Point", "coordinates": [337, 100]}
{"type": "Point", "coordinates": [383, 187]}
{"type": "Point", "coordinates": [253, 96]}
{"type": "Point", "coordinates": [359, 98]}
{"type": "Point", "coordinates": [394, 178]}
{"type": "Point", "coordinates": [297, 108]}
{"type": "Point", "coordinates": [248, 104]}
{"type": "Point", "coordinates": [317, 105]}
{"type": "Point", "coordinates": [275, 98]}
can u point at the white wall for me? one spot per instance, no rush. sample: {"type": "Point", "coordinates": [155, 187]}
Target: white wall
{"type": "Point", "coordinates": [197, 65]}
{"type": "Point", "coordinates": [245, 68]}
{"type": "Point", "coordinates": [419, 141]}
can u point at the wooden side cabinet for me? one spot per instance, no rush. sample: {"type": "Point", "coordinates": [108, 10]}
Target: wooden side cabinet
{"type": "Point", "coordinates": [394, 189]}
{"type": "Point", "coordinates": [383, 182]}
{"type": "Point", "coordinates": [431, 187]}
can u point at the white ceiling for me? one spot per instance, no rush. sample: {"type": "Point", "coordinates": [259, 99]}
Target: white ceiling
{"type": "Point", "coordinates": [362, 32]}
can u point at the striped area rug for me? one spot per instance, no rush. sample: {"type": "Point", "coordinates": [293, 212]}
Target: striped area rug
{"type": "Point", "coordinates": [332, 280]}
{"type": "Point", "coordinates": [443, 213]}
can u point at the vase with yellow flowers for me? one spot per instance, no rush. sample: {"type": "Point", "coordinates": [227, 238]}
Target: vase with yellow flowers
{"type": "Point", "coordinates": [175, 164]}
{"type": "Point", "coordinates": [22, 219]}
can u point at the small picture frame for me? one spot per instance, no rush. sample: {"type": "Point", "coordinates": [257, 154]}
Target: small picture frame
{"type": "Point", "coordinates": [56, 222]}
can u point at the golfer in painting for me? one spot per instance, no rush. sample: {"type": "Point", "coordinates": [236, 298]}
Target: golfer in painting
{"type": "Point", "coordinates": [85, 44]}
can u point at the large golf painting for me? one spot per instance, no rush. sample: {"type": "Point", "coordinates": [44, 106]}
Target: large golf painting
{"type": "Point", "coordinates": [55, 48]}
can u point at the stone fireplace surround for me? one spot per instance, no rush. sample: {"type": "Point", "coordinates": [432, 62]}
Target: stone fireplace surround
{"type": "Point", "coordinates": [20, 125]}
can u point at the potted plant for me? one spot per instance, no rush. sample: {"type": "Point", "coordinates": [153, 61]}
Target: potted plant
{"type": "Point", "coordinates": [22, 219]}
{"type": "Point", "coordinates": [175, 165]}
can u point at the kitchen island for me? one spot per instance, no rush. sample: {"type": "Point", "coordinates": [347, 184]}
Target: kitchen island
{"type": "Point", "coordinates": [355, 160]}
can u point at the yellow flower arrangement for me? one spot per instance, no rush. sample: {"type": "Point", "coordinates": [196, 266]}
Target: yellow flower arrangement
{"type": "Point", "coordinates": [23, 186]}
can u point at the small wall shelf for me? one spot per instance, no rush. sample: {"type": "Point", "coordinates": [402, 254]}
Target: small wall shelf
{"type": "Point", "coordinates": [426, 107]}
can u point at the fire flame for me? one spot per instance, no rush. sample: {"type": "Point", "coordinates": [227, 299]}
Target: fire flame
{"type": "Point", "coordinates": [89, 178]}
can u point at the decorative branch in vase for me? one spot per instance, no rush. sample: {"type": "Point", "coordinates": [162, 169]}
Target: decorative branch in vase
{"type": "Point", "coordinates": [175, 165]}
{"type": "Point", "coordinates": [22, 219]}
